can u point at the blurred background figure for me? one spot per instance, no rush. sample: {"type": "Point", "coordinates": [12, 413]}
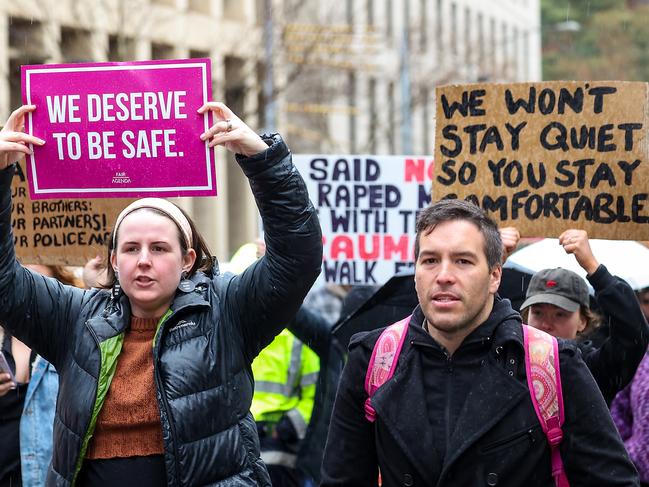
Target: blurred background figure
{"type": "Point", "coordinates": [630, 411]}
{"type": "Point", "coordinates": [312, 329]}
{"type": "Point", "coordinates": [630, 408]}
{"type": "Point", "coordinates": [27, 412]}
{"type": "Point", "coordinates": [296, 378]}
{"type": "Point", "coordinates": [286, 373]}
{"type": "Point", "coordinates": [93, 273]}
{"type": "Point", "coordinates": [327, 300]}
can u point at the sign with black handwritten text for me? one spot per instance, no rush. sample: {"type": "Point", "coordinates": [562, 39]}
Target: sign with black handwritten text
{"type": "Point", "coordinates": [548, 156]}
{"type": "Point", "coordinates": [60, 232]}
{"type": "Point", "coordinates": [119, 129]}
{"type": "Point", "coordinates": [367, 206]}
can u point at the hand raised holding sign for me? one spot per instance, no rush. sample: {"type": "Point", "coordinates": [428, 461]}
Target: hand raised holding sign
{"type": "Point", "coordinates": [231, 132]}
{"type": "Point", "coordinates": [510, 237]}
{"type": "Point", "coordinates": [576, 242]}
{"type": "Point", "coordinates": [13, 141]}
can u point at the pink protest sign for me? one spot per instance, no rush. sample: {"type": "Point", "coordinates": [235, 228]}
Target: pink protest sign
{"type": "Point", "coordinates": [115, 130]}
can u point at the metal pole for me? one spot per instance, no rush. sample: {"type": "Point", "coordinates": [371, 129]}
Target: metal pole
{"type": "Point", "coordinates": [270, 104]}
{"type": "Point", "coordinates": [404, 82]}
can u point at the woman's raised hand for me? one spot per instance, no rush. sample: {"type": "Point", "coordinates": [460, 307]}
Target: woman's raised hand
{"type": "Point", "coordinates": [575, 242]}
{"type": "Point", "coordinates": [230, 131]}
{"type": "Point", "coordinates": [510, 237]}
{"type": "Point", "coordinates": [13, 140]}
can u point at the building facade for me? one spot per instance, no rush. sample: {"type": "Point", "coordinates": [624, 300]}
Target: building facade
{"type": "Point", "coordinates": [356, 76]}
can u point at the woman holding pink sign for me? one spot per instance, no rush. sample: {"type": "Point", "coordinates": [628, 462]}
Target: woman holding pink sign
{"type": "Point", "coordinates": [155, 377]}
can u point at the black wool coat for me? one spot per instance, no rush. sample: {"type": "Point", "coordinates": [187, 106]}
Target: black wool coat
{"type": "Point", "coordinates": [467, 419]}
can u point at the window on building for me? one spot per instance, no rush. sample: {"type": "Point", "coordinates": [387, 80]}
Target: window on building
{"type": "Point", "coordinates": [370, 12]}
{"type": "Point", "coordinates": [389, 21]}
{"type": "Point", "coordinates": [423, 25]}
{"type": "Point", "coordinates": [234, 10]}
{"type": "Point", "coordinates": [121, 48]}
{"type": "Point", "coordinates": [26, 46]}
{"type": "Point", "coordinates": [349, 12]}
{"type": "Point", "coordinates": [26, 38]}
{"type": "Point", "coordinates": [200, 6]}
{"type": "Point", "coordinates": [15, 93]}
{"type": "Point", "coordinates": [199, 53]}
{"type": "Point", "coordinates": [76, 45]}
{"type": "Point", "coordinates": [162, 51]}
{"type": "Point", "coordinates": [234, 83]}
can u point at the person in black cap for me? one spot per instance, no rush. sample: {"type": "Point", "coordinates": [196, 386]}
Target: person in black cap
{"type": "Point", "coordinates": [558, 303]}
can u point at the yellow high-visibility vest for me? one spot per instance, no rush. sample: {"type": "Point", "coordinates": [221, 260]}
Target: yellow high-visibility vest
{"type": "Point", "coordinates": [286, 372]}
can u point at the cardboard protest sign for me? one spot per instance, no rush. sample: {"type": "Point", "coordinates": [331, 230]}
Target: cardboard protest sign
{"type": "Point", "coordinates": [549, 156]}
{"type": "Point", "coordinates": [367, 207]}
{"type": "Point", "coordinates": [60, 232]}
{"type": "Point", "coordinates": [119, 129]}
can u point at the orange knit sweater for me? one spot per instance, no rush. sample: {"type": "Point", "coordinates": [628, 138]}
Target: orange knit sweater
{"type": "Point", "coordinates": [129, 422]}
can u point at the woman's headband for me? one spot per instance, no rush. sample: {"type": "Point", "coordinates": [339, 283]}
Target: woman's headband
{"type": "Point", "coordinates": [163, 206]}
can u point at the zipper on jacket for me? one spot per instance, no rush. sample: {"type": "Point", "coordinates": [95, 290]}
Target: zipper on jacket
{"type": "Point", "coordinates": [447, 412]}
{"type": "Point", "coordinates": [510, 440]}
{"type": "Point", "coordinates": [94, 413]}
{"type": "Point", "coordinates": [162, 398]}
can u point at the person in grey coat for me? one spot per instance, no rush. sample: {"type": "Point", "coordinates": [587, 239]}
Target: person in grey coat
{"type": "Point", "coordinates": [155, 376]}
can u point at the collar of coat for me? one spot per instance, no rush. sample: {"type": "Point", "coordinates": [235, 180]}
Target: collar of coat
{"type": "Point", "coordinates": [503, 324]}
{"type": "Point", "coordinates": [114, 315]}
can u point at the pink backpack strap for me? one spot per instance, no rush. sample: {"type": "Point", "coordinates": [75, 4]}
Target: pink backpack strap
{"type": "Point", "coordinates": [383, 361]}
{"type": "Point", "coordinates": [544, 382]}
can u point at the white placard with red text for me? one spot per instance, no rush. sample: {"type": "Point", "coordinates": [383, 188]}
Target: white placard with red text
{"type": "Point", "coordinates": [367, 206]}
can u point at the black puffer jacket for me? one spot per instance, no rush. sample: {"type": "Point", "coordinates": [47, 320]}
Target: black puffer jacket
{"type": "Point", "coordinates": [467, 419]}
{"type": "Point", "coordinates": [614, 360]}
{"type": "Point", "coordinates": [202, 352]}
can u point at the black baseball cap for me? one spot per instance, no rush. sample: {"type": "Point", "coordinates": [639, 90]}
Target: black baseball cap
{"type": "Point", "coordinates": [559, 287]}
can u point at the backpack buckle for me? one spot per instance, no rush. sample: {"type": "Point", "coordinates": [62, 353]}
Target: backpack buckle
{"type": "Point", "coordinates": [554, 435]}
{"type": "Point", "coordinates": [370, 413]}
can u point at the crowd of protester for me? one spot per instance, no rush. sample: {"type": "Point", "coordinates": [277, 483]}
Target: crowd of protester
{"type": "Point", "coordinates": [146, 374]}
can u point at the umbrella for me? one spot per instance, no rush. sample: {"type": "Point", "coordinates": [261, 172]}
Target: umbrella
{"type": "Point", "coordinates": [623, 258]}
{"type": "Point", "coordinates": [397, 298]}
{"type": "Point", "coordinates": [391, 302]}
{"type": "Point", "coordinates": [514, 282]}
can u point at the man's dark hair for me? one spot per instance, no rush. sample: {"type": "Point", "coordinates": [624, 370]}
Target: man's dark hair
{"type": "Point", "coordinates": [453, 209]}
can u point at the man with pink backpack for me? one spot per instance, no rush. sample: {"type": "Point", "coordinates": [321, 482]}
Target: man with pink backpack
{"type": "Point", "coordinates": [460, 393]}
